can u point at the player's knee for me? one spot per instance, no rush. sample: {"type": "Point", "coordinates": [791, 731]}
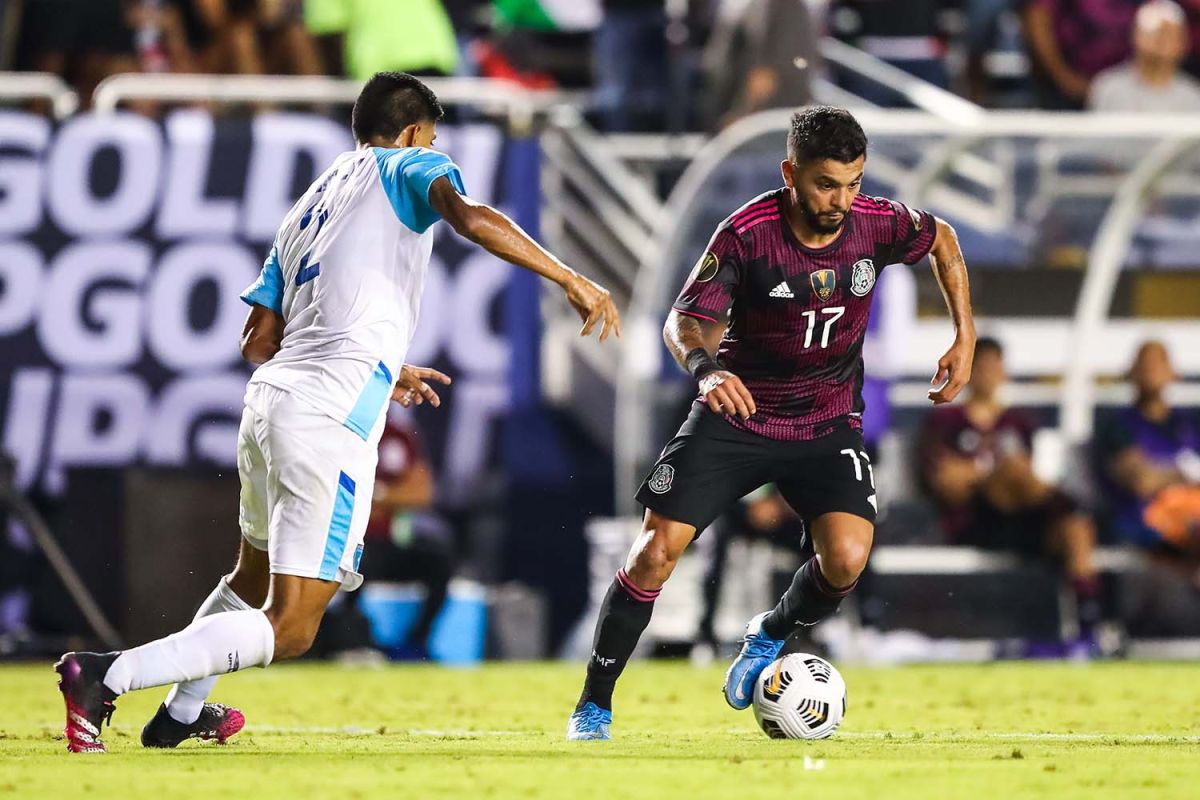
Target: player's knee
{"type": "Point", "coordinates": [844, 562]}
{"type": "Point", "coordinates": [248, 586]}
{"type": "Point", "coordinates": [293, 636]}
{"type": "Point", "coordinates": [653, 564]}
{"type": "Point", "coordinates": [251, 577]}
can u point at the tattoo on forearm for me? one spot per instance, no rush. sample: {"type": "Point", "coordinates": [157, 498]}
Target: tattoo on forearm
{"type": "Point", "coordinates": [951, 273]}
{"type": "Point", "coordinates": [684, 334]}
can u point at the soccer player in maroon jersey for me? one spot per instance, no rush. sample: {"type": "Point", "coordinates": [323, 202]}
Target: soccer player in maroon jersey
{"type": "Point", "coordinates": [780, 401]}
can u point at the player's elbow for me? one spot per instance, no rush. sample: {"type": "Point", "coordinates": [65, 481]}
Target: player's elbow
{"type": "Point", "coordinates": [258, 349]}
{"type": "Point", "coordinates": [670, 331]}
{"type": "Point", "coordinates": [470, 223]}
{"type": "Point", "coordinates": [945, 242]}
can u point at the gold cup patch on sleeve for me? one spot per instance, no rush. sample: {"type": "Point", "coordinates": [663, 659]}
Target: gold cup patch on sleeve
{"type": "Point", "coordinates": [706, 268]}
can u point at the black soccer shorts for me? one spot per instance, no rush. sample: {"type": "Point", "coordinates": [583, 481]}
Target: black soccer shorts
{"type": "Point", "coordinates": [710, 464]}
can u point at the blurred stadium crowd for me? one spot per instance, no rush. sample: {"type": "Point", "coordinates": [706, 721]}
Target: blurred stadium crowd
{"type": "Point", "coordinates": [650, 65]}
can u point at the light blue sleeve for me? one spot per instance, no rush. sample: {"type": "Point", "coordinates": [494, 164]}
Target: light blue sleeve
{"type": "Point", "coordinates": [407, 174]}
{"type": "Point", "coordinates": [267, 291]}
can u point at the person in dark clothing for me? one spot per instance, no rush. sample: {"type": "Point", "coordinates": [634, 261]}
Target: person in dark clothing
{"type": "Point", "coordinates": [976, 462]}
{"type": "Point", "coordinates": [404, 541]}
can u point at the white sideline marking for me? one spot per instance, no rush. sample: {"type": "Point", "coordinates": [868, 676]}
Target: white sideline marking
{"type": "Point", "coordinates": [899, 736]}
{"type": "Point", "coordinates": [358, 730]}
{"type": "Point", "coordinates": [1020, 736]}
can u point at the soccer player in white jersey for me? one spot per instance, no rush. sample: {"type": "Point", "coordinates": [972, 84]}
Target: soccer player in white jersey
{"type": "Point", "coordinates": [331, 318]}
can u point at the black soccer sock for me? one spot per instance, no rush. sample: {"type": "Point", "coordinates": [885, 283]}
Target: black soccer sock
{"type": "Point", "coordinates": [1087, 604]}
{"type": "Point", "coordinates": [623, 616]}
{"type": "Point", "coordinates": [810, 599]}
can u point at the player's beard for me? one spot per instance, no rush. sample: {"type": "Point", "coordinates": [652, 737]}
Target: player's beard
{"type": "Point", "coordinates": [814, 220]}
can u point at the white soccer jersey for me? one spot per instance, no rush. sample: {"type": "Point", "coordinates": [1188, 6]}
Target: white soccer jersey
{"type": "Point", "coordinates": [346, 273]}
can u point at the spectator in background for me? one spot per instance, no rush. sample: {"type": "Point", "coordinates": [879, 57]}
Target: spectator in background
{"type": "Point", "coordinates": [761, 54]}
{"type": "Point", "coordinates": [82, 41]}
{"type": "Point", "coordinates": [1152, 79]}
{"type": "Point", "coordinates": [361, 37]}
{"type": "Point", "coordinates": [277, 41]}
{"type": "Point", "coordinates": [996, 69]}
{"type": "Point", "coordinates": [1071, 41]}
{"type": "Point", "coordinates": [1149, 459]}
{"type": "Point", "coordinates": [542, 44]}
{"type": "Point", "coordinates": [241, 37]}
{"type": "Point", "coordinates": [976, 461]}
{"type": "Point", "coordinates": [630, 65]}
{"type": "Point", "coordinates": [908, 34]}
{"type": "Point", "coordinates": [404, 541]}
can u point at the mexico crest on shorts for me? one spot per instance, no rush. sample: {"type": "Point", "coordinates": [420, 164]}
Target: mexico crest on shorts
{"type": "Point", "coordinates": [862, 278]}
{"type": "Point", "coordinates": [660, 482]}
{"type": "Point", "coordinates": [824, 281]}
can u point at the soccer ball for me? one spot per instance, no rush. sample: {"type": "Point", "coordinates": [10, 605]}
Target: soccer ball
{"type": "Point", "coordinates": [800, 696]}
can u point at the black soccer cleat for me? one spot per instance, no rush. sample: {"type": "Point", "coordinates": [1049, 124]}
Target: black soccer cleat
{"type": "Point", "coordinates": [216, 721]}
{"type": "Point", "coordinates": [89, 701]}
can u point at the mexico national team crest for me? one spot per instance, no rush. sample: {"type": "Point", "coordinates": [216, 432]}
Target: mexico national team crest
{"type": "Point", "coordinates": [824, 281]}
{"type": "Point", "coordinates": [660, 482]}
{"type": "Point", "coordinates": [862, 278]}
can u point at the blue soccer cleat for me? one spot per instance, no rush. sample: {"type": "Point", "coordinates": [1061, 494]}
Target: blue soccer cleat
{"type": "Point", "coordinates": [589, 723]}
{"type": "Point", "coordinates": [757, 653]}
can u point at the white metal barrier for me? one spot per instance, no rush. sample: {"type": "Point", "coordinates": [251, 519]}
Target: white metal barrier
{"type": "Point", "coordinates": [17, 86]}
{"type": "Point", "coordinates": [922, 94]}
{"type": "Point", "coordinates": [519, 103]}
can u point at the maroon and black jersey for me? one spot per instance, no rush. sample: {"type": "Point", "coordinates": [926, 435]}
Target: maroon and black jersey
{"type": "Point", "coordinates": [797, 315]}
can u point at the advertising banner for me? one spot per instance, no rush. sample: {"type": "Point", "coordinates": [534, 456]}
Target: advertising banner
{"type": "Point", "coordinates": [124, 244]}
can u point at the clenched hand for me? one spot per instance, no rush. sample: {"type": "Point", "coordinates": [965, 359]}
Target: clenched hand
{"type": "Point", "coordinates": [725, 393]}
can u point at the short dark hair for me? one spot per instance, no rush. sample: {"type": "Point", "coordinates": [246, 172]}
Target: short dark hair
{"type": "Point", "coordinates": [824, 132]}
{"type": "Point", "coordinates": [985, 343]}
{"type": "Point", "coordinates": [389, 103]}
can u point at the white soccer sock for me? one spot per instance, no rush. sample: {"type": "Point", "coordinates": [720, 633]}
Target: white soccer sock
{"type": "Point", "coordinates": [217, 644]}
{"type": "Point", "coordinates": [185, 701]}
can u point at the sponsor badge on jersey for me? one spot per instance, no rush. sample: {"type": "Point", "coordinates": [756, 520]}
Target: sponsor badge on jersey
{"type": "Point", "coordinates": [862, 278]}
{"type": "Point", "coordinates": [824, 281]}
{"type": "Point", "coordinates": [706, 268]}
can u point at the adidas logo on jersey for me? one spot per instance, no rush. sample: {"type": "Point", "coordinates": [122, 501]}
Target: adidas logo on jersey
{"type": "Point", "coordinates": [782, 290]}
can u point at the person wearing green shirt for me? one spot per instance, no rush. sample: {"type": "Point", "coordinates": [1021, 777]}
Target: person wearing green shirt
{"type": "Point", "coordinates": [369, 36]}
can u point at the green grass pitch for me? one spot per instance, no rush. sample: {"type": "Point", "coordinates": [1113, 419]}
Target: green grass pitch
{"type": "Point", "coordinates": [1119, 730]}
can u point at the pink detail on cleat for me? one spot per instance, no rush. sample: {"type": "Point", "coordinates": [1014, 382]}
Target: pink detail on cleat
{"type": "Point", "coordinates": [234, 721]}
{"type": "Point", "coordinates": [83, 736]}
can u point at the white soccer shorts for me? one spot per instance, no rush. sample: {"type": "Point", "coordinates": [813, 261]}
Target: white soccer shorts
{"type": "Point", "coordinates": [306, 491]}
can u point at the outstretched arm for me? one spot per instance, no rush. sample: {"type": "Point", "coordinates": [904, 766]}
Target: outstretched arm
{"type": "Point", "coordinates": [504, 239]}
{"type": "Point", "coordinates": [954, 368]}
{"type": "Point", "coordinates": [691, 343]}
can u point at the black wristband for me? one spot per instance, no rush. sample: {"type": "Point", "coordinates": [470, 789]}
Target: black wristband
{"type": "Point", "coordinates": [700, 363]}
